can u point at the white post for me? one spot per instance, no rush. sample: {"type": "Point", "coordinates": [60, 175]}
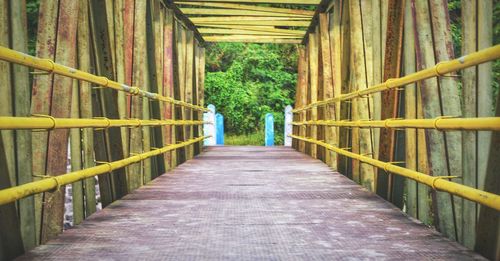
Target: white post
{"type": "Point", "coordinates": [209, 128]}
{"type": "Point", "coordinates": [288, 125]}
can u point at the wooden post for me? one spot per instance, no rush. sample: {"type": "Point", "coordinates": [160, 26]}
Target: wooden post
{"type": "Point", "coordinates": [21, 102]}
{"type": "Point", "coordinates": [386, 183]}
{"type": "Point", "coordinates": [330, 132]}
{"type": "Point", "coordinates": [57, 152]}
{"type": "Point", "coordinates": [85, 91]}
{"type": "Point", "coordinates": [360, 105]}
{"type": "Point", "coordinates": [41, 94]}
{"type": "Point", "coordinates": [180, 86]}
{"type": "Point", "coordinates": [168, 83]}
{"type": "Point", "coordinates": [302, 86]}
{"type": "Point", "coordinates": [108, 142]}
{"type": "Point", "coordinates": [410, 111]}
{"type": "Point", "coordinates": [136, 172]}
{"type": "Point", "coordinates": [188, 89]}
{"type": "Point", "coordinates": [443, 203]}
{"type": "Point", "coordinates": [313, 92]}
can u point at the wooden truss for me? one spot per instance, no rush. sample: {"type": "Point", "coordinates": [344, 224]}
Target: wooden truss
{"type": "Point", "coordinates": [249, 21]}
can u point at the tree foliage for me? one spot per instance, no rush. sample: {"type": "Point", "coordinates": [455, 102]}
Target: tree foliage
{"type": "Point", "coordinates": [246, 81]}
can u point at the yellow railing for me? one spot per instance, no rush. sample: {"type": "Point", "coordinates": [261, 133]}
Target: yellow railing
{"type": "Point", "coordinates": [440, 69]}
{"type": "Point", "coordinates": [436, 182]}
{"type": "Point", "coordinates": [440, 123]}
{"type": "Point", "coordinates": [50, 66]}
{"type": "Point", "coordinates": [50, 183]}
{"type": "Point", "coordinates": [45, 122]}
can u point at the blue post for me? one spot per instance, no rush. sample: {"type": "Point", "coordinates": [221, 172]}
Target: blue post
{"type": "Point", "coordinates": [269, 138]}
{"type": "Point", "coordinates": [219, 120]}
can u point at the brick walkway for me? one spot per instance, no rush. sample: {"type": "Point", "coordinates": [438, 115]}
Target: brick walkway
{"type": "Point", "coordinates": [250, 203]}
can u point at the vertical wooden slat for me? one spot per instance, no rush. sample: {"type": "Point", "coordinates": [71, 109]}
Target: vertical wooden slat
{"type": "Point", "coordinates": [469, 138]}
{"type": "Point", "coordinates": [303, 71]}
{"type": "Point", "coordinates": [76, 159]}
{"type": "Point", "coordinates": [330, 135]}
{"type": "Point", "coordinates": [57, 152]}
{"type": "Point", "coordinates": [180, 86]}
{"type": "Point", "coordinates": [168, 82]}
{"type": "Point", "coordinates": [450, 101]}
{"type": "Point", "coordinates": [431, 108]}
{"type": "Point", "coordinates": [313, 92]}
{"type": "Point", "coordinates": [377, 67]}
{"type": "Point", "coordinates": [488, 225]}
{"type": "Point", "coordinates": [201, 81]}
{"type": "Point", "coordinates": [21, 91]}
{"type": "Point", "coordinates": [41, 93]}
{"type": "Point", "coordinates": [410, 111]}
{"type": "Point", "coordinates": [361, 105]}
{"type": "Point", "coordinates": [188, 89]}
{"type": "Point", "coordinates": [108, 142]}
{"type": "Point", "coordinates": [334, 29]}
{"type": "Point", "coordinates": [345, 165]}
{"type": "Point", "coordinates": [386, 183]}
{"type": "Point", "coordinates": [11, 243]}
{"type": "Point", "coordinates": [85, 89]}
{"type": "Point", "coordinates": [136, 175]}
{"type": "Point", "coordinates": [155, 43]}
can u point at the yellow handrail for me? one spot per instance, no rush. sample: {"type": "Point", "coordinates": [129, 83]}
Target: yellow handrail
{"type": "Point", "coordinates": [440, 69]}
{"type": "Point", "coordinates": [440, 123]}
{"type": "Point", "coordinates": [50, 66]}
{"type": "Point", "coordinates": [44, 122]}
{"type": "Point", "coordinates": [53, 182]}
{"type": "Point", "coordinates": [436, 182]}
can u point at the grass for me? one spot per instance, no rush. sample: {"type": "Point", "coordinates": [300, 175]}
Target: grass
{"type": "Point", "coordinates": [255, 139]}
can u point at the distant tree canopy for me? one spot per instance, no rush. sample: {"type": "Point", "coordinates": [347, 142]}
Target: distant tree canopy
{"type": "Point", "coordinates": [246, 81]}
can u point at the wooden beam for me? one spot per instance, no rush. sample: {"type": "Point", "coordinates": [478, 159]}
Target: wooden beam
{"type": "Point", "coordinates": [249, 7]}
{"type": "Point", "coordinates": [238, 37]}
{"type": "Point", "coordinates": [205, 31]}
{"type": "Point", "coordinates": [235, 12]}
{"type": "Point", "coordinates": [245, 18]}
{"type": "Point", "coordinates": [273, 23]}
{"type": "Point", "coordinates": [256, 28]}
{"type": "Point", "coordinates": [292, 2]}
{"type": "Point", "coordinates": [253, 40]}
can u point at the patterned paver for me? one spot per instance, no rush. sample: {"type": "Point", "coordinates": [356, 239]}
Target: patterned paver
{"type": "Point", "coordinates": [251, 203]}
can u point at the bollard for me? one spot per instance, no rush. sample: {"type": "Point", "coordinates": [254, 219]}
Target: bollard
{"type": "Point", "coordinates": [269, 134]}
{"type": "Point", "coordinates": [219, 126]}
{"type": "Point", "coordinates": [209, 128]}
{"type": "Point", "coordinates": [288, 126]}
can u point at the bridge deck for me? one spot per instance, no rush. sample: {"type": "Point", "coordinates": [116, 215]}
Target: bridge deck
{"type": "Point", "coordinates": [249, 203]}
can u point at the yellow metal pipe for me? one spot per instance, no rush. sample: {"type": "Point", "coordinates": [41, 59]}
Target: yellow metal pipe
{"type": "Point", "coordinates": [440, 123]}
{"type": "Point", "coordinates": [53, 182]}
{"type": "Point", "coordinates": [49, 123]}
{"type": "Point", "coordinates": [436, 182]}
{"type": "Point", "coordinates": [440, 69]}
{"type": "Point", "coordinates": [50, 66]}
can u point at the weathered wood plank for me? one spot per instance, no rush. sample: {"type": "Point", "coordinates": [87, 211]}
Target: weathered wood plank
{"type": "Point", "coordinates": [249, 7]}
{"type": "Point", "coordinates": [57, 152]}
{"type": "Point", "coordinates": [85, 91]}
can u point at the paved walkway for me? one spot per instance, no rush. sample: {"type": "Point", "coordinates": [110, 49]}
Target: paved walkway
{"type": "Point", "coordinates": [250, 203]}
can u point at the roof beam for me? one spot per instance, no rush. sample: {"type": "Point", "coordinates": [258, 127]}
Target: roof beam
{"type": "Point", "coordinates": [250, 8]}
{"type": "Point", "coordinates": [292, 2]}
{"type": "Point", "coordinates": [251, 39]}
{"type": "Point", "coordinates": [234, 12]}
{"type": "Point", "coordinates": [257, 28]}
{"type": "Point", "coordinates": [210, 31]}
{"type": "Point", "coordinates": [273, 23]}
{"type": "Point", "coordinates": [244, 18]}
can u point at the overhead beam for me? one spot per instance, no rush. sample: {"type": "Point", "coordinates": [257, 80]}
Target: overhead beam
{"type": "Point", "coordinates": [292, 2]}
{"type": "Point", "coordinates": [252, 40]}
{"type": "Point", "coordinates": [249, 7]}
{"type": "Point", "coordinates": [257, 28]}
{"type": "Point", "coordinates": [273, 23]}
{"type": "Point", "coordinates": [245, 18]}
{"type": "Point", "coordinates": [205, 31]}
{"type": "Point", "coordinates": [235, 12]}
